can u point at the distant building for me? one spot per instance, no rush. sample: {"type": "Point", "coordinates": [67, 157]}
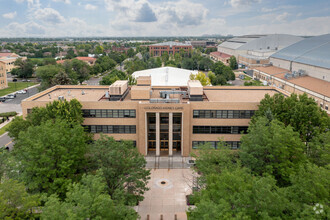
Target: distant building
{"type": "Point", "coordinates": [7, 63]}
{"type": "Point", "coordinates": [218, 56]}
{"type": "Point", "coordinates": [255, 50]}
{"type": "Point", "coordinates": [166, 76]}
{"type": "Point", "coordinates": [202, 43]}
{"type": "Point", "coordinates": [90, 60]}
{"type": "Point", "coordinates": [170, 47]}
{"type": "Point", "coordinates": [312, 55]}
{"type": "Point", "coordinates": [120, 49]}
{"type": "Point", "coordinates": [3, 76]}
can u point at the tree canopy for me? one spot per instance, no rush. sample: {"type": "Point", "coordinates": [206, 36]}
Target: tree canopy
{"type": "Point", "coordinates": [53, 158]}
{"type": "Point", "coordinates": [87, 199]}
{"type": "Point", "coordinates": [123, 168]}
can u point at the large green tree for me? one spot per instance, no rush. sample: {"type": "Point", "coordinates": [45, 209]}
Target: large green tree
{"type": "Point", "coordinates": [233, 62]}
{"type": "Point", "coordinates": [112, 77]}
{"type": "Point", "coordinates": [237, 194]}
{"type": "Point", "coordinates": [299, 111]}
{"type": "Point", "coordinates": [123, 168]}
{"type": "Point", "coordinates": [15, 202]}
{"type": "Point", "coordinates": [272, 148]}
{"type": "Point", "coordinates": [51, 156]}
{"type": "Point", "coordinates": [87, 199]}
{"type": "Point", "coordinates": [25, 68]}
{"type": "Point", "coordinates": [69, 111]}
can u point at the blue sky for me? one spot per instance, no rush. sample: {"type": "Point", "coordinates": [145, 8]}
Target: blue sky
{"type": "Point", "coordinates": [79, 18]}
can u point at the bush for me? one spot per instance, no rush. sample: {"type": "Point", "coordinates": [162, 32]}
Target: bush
{"type": "Point", "coordinates": [8, 114]}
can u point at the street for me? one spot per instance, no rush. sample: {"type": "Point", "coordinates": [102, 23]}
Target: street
{"type": "Point", "coordinates": [6, 141]}
{"type": "Point", "coordinates": [15, 104]}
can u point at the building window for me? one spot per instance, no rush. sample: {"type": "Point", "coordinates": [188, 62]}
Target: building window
{"type": "Point", "coordinates": [326, 107]}
{"type": "Point", "coordinates": [223, 113]}
{"type": "Point", "coordinates": [219, 129]}
{"type": "Point", "coordinates": [112, 129]}
{"type": "Point", "coordinates": [217, 144]}
{"type": "Point", "coordinates": [109, 113]}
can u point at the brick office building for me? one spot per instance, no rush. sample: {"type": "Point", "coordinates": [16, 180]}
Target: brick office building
{"type": "Point", "coordinates": [162, 120]}
{"type": "Point", "coordinates": [170, 47]}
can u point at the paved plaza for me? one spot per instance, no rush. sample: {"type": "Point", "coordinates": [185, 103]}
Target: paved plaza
{"type": "Point", "coordinates": [167, 195]}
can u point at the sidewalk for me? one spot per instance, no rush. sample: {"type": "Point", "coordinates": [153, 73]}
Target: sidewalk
{"type": "Point", "coordinates": [10, 119]}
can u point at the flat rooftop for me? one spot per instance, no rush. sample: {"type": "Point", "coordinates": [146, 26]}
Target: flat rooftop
{"type": "Point", "coordinates": [211, 94]}
{"type": "Point", "coordinates": [316, 85]}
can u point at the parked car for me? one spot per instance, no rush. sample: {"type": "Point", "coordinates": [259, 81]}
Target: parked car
{"type": "Point", "coordinates": [2, 99]}
{"type": "Point", "coordinates": [23, 91]}
{"type": "Point", "coordinates": [26, 80]}
{"type": "Point", "coordinates": [11, 96]}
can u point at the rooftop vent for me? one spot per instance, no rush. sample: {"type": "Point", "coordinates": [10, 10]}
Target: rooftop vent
{"type": "Point", "coordinates": [82, 92]}
{"type": "Point", "coordinates": [61, 98]}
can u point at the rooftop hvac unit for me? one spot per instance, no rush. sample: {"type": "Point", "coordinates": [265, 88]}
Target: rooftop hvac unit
{"type": "Point", "coordinates": [295, 74]}
{"type": "Point", "coordinates": [288, 76]}
{"type": "Point", "coordinates": [302, 72]}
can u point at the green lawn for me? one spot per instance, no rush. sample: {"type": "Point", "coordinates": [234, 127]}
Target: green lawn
{"type": "Point", "coordinates": [3, 129]}
{"type": "Point", "coordinates": [19, 86]}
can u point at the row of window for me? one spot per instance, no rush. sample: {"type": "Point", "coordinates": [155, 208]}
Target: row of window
{"type": "Point", "coordinates": [216, 144]}
{"type": "Point", "coordinates": [109, 113]}
{"type": "Point", "coordinates": [219, 129]}
{"type": "Point", "coordinates": [112, 129]}
{"type": "Point", "coordinates": [223, 113]}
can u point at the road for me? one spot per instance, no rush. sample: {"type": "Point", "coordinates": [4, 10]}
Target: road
{"type": "Point", "coordinates": [6, 141]}
{"type": "Point", "coordinates": [15, 104]}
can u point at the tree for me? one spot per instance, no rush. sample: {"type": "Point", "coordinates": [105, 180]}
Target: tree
{"type": "Point", "coordinates": [51, 156]}
{"type": "Point", "coordinates": [130, 52]}
{"type": "Point", "coordinates": [187, 63]}
{"type": "Point", "coordinates": [233, 62]}
{"type": "Point", "coordinates": [272, 148]}
{"type": "Point", "coordinates": [105, 62]}
{"type": "Point", "coordinates": [87, 199]}
{"type": "Point", "coordinates": [318, 150]}
{"type": "Point", "coordinates": [15, 202]}
{"type": "Point", "coordinates": [310, 185]}
{"type": "Point", "coordinates": [65, 110]}
{"type": "Point", "coordinates": [200, 76]}
{"type": "Point", "coordinates": [165, 57]}
{"type": "Point", "coordinates": [47, 74]}
{"type": "Point", "coordinates": [237, 194]}
{"type": "Point", "coordinates": [24, 68]}
{"type": "Point", "coordinates": [81, 69]}
{"type": "Point", "coordinates": [61, 78]}
{"type": "Point", "coordinates": [112, 77]}
{"type": "Point", "coordinates": [99, 49]}
{"type": "Point", "coordinates": [123, 168]}
{"type": "Point", "coordinates": [299, 111]}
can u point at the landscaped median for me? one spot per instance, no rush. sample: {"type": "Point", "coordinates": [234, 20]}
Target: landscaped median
{"type": "Point", "coordinates": [12, 88]}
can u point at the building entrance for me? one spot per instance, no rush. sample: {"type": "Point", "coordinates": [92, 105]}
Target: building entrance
{"type": "Point", "coordinates": [164, 133]}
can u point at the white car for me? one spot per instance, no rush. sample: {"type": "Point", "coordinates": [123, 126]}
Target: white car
{"type": "Point", "coordinates": [21, 91]}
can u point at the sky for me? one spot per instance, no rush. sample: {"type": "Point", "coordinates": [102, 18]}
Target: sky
{"type": "Point", "coordinates": [129, 18]}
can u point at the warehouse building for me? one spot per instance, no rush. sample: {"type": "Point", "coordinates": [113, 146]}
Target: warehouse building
{"type": "Point", "coordinates": [162, 120]}
{"type": "Point", "coordinates": [311, 55]}
{"type": "Point", "coordinates": [254, 50]}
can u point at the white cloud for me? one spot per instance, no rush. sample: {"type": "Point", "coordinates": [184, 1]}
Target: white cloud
{"type": "Point", "coordinates": [10, 15]}
{"type": "Point", "coordinates": [282, 17]}
{"type": "Point", "coordinates": [268, 9]}
{"type": "Point", "coordinates": [239, 3]}
{"type": "Point", "coordinates": [31, 3]}
{"type": "Point", "coordinates": [64, 1]}
{"type": "Point", "coordinates": [90, 7]}
{"type": "Point", "coordinates": [48, 15]}
{"type": "Point", "coordinates": [24, 30]}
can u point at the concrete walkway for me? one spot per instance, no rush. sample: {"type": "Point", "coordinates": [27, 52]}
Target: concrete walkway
{"type": "Point", "coordinates": [167, 195]}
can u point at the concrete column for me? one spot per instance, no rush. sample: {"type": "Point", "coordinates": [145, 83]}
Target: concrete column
{"type": "Point", "coordinates": [157, 134]}
{"type": "Point", "coordinates": [170, 134]}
